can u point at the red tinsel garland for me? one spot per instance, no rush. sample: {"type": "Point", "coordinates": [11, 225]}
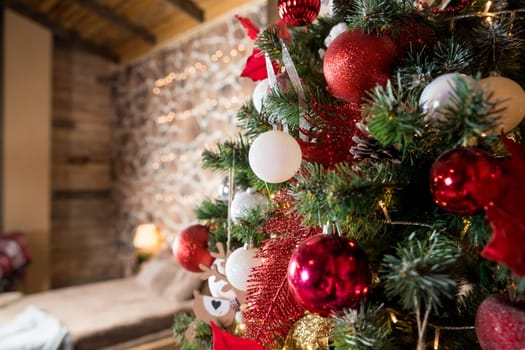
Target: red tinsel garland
{"type": "Point", "coordinates": [332, 137]}
{"type": "Point", "coordinates": [272, 309]}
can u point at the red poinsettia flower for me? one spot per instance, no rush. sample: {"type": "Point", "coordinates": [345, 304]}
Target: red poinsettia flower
{"type": "Point", "coordinates": [225, 341]}
{"type": "Point", "coordinates": [506, 214]}
{"type": "Point", "coordinates": [255, 68]}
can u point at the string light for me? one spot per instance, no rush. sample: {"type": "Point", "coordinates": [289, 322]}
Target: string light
{"type": "Point", "coordinates": [466, 226]}
{"type": "Point", "coordinates": [436, 338]}
{"type": "Point", "coordinates": [197, 67]}
{"type": "Point", "coordinates": [486, 12]}
{"type": "Point", "coordinates": [393, 317]}
{"type": "Point", "coordinates": [200, 111]}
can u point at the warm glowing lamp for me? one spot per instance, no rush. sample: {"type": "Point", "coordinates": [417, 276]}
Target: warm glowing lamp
{"type": "Point", "coordinates": [147, 239]}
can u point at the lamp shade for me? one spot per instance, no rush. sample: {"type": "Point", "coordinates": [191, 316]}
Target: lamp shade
{"type": "Point", "coordinates": [147, 238]}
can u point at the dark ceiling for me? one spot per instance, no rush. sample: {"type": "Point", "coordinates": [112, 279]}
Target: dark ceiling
{"type": "Point", "coordinates": [121, 30]}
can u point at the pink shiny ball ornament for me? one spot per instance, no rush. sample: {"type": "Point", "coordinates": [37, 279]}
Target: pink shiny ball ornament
{"type": "Point", "coordinates": [464, 180]}
{"type": "Point", "coordinates": [190, 248]}
{"type": "Point", "coordinates": [298, 12]}
{"type": "Point", "coordinates": [327, 273]}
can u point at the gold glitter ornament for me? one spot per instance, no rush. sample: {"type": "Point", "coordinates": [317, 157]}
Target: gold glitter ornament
{"type": "Point", "coordinates": [311, 332]}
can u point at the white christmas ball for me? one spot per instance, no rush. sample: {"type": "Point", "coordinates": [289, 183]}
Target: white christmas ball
{"type": "Point", "coordinates": [511, 97]}
{"type": "Point", "coordinates": [259, 93]}
{"type": "Point", "coordinates": [216, 285]}
{"type": "Point", "coordinates": [275, 156]}
{"type": "Point", "coordinates": [243, 201]}
{"type": "Point", "coordinates": [436, 96]}
{"type": "Point", "coordinates": [239, 265]}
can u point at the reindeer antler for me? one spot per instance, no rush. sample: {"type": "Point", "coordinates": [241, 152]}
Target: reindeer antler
{"type": "Point", "coordinates": [207, 272]}
{"type": "Point", "coordinates": [221, 254]}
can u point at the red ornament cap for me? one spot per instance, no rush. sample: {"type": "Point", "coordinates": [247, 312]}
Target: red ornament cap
{"type": "Point", "coordinates": [298, 12]}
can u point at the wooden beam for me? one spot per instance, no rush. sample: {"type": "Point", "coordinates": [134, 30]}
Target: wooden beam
{"type": "Point", "coordinates": [123, 22]}
{"type": "Point", "coordinates": [272, 13]}
{"type": "Point", "coordinates": [190, 8]}
{"type": "Point", "coordinates": [66, 35]}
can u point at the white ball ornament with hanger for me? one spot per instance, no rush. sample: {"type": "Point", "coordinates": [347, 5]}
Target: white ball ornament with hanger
{"type": "Point", "coordinates": [437, 95]}
{"type": "Point", "coordinates": [239, 265]}
{"type": "Point", "coordinates": [275, 156]}
{"type": "Point", "coordinates": [262, 89]}
{"type": "Point", "coordinates": [511, 99]}
{"type": "Point", "coordinates": [243, 201]}
{"type": "Point", "coordinates": [259, 93]}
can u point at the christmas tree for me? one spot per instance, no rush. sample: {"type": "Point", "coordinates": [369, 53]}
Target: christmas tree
{"type": "Point", "coordinates": [375, 194]}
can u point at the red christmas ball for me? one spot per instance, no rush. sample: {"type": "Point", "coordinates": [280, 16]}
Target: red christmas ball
{"type": "Point", "coordinates": [500, 324]}
{"type": "Point", "coordinates": [463, 180]}
{"type": "Point", "coordinates": [356, 62]}
{"type": "Point", "coordinates": [327, 273]}
{"type": "Point", "coordinates": [298, 12]}
{"type": "Point", "coordinates": [190, 248]}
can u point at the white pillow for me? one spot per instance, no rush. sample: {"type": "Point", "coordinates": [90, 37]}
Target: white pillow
{"type": "Point", "coordinates": [156, 274]}
{"type": "Point", "coordinates": [167, 278]}
{"type": "Point", "coordinates": [182, 285]}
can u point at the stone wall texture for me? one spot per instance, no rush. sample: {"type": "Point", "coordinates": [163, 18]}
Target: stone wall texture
{"type": "Point", "coordinates": [169, 108]}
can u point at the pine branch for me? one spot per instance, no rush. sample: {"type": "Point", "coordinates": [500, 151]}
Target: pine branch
{"type": "Point", "coordinates": [499, 44]}
{"type": "Point", "coordinates": [305, 49]}
{"type": "Point", "coordinates": [342, 8]}
{"type": "Point", "coordinates": [376, 15]}
{"type": "Point", "coordinates": [222, 160]}
{"type": "Point", "coordinates": [470, 115]}
{"type": "Point", "coordinates": [269, 42]}
{"type": "Point", "coordinates": [452, 56]}
{"type": "Point", "coordinates": [251, 122]}
{"type": "Point", "coordinates": [342, 195]}
{"type": "Point", "coordinates": [478, 231]}
{"type": "Point", "coordinates": [417, 71]}
{"type": "Point", "coordinates": [248, 228]}
{"type": "Point", "coordinates": [211, 210]}
{"type": "Point", "coordinates": [392, 119]}
{"type": "Point", "coordinates": [215, 214]}
{"type": "Point", "coordinates": [283, 107]}
{"type": "Point", "coordinates": [201, 332]}
{"type": "Point", "coordinates": [364, 329]}
{"type": "Point", "coordinates": [421, 271]}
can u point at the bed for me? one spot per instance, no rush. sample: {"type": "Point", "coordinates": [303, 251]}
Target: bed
{"type": "Point", "coordinates": [105, 314]}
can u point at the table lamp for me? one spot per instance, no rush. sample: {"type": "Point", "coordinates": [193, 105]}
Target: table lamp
{"type": "Point", "coordinates": [147, 240]}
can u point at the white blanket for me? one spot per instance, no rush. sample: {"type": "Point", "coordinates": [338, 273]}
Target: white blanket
{"type": "Point", "coordinates": [33, 329]}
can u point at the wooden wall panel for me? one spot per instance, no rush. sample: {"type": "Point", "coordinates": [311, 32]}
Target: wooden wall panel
{"type": "Point", "coordinates": [84, 243]}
